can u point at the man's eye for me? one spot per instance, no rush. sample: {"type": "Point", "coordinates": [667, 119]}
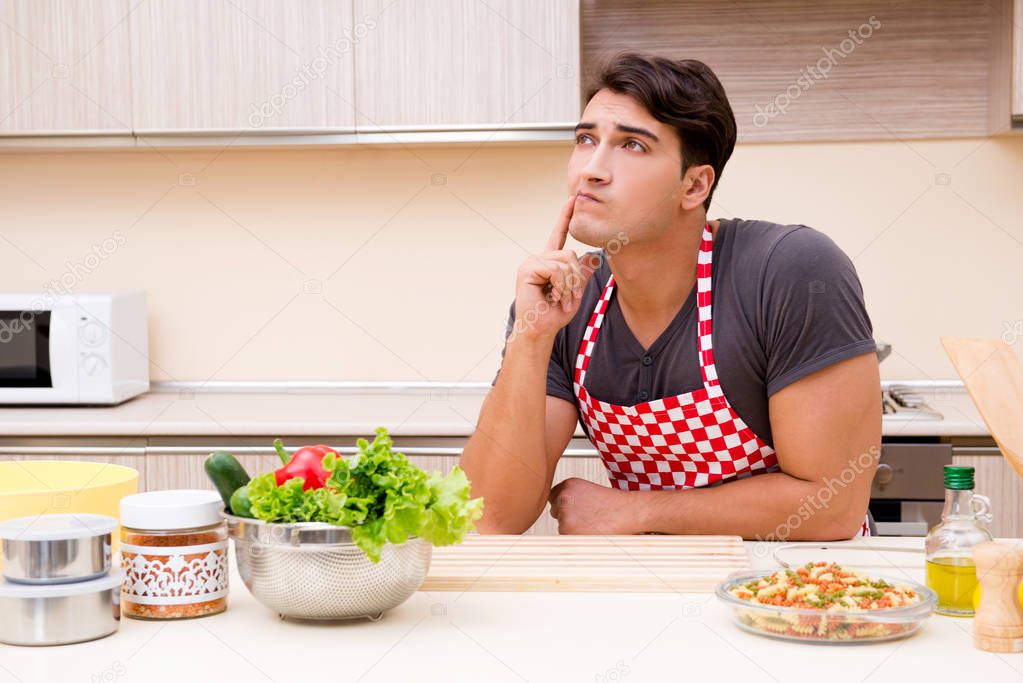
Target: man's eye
{"type": "Point", "coordinates": [580, 139]}
{"type": "Point", "coordinates": [638, 145]}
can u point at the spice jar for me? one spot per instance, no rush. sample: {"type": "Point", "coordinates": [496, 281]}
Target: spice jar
{"type": "Point", "coordinates": [174, 555]}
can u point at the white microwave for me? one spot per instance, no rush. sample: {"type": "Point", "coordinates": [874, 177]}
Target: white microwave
{"type": "Point", "coordinates": [79, 348]}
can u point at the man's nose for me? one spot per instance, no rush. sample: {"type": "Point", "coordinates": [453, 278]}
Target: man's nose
{"type": "Point", "coordinates": [597, 168]}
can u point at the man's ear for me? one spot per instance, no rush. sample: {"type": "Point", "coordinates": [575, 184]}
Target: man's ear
{"type": "Point", "coordinates": [696, 185]}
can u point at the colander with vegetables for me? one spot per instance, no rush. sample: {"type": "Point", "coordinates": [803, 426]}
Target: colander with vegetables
{"type": "Point", "coordinates": [332, 537]}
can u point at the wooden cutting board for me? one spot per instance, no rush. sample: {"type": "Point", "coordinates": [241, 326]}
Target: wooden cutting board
{"type": "Point", "coordinates": [994, 379]}
{"type": "Point", "coordinates": [645, 564]}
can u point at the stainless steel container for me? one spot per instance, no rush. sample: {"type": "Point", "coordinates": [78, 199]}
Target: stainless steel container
{"type": "Point", "coordinates": [59, 614]}
{"type": "Point", "coordinates": [56, 548]}
{"type": "Point", "coordinates": [315, 571]}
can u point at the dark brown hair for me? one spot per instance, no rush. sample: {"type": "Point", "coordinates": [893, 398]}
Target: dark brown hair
{"type": "Point", "coordinates": [684, 94]}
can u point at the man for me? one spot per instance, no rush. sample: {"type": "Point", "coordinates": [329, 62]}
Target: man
{"type": "Point", "coordinates": [724, 369]}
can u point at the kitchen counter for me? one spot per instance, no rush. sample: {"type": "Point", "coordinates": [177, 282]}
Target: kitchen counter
{"type": "Point", "coordinates": [409, 410]}
{"type": "Point", "coordinates": [522, 637]}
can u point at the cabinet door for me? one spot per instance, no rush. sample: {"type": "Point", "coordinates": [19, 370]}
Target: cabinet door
{"type": "Point", "coordinates": [170, 467]}
{"type": "Point", "coordinates": [1017, 61]}
{"type": "Point", "coordinates": [178, 463]}
{"type": "Point", "coordinates": [468, 64]}
{"type": "Point", "coordinates": [115, 451]}
{"type": "Point", "coordinates": [242, 65]}
{"type": "Point", "coordinates": [995, 479]}
{"type": "Point", "coordinates": [64, 67]}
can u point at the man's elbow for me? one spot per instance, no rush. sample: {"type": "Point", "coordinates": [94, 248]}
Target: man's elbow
{"type": "Point", "coordinates": [839, 525]}
{"type": "Point", "coordinates": [493, 522]}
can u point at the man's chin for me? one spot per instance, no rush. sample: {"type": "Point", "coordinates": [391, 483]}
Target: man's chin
{"type": "Point", "coordinates": [591, 233]}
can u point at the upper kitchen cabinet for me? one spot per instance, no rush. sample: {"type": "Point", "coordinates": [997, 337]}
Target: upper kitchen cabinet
{"type": "Point", "coordinates": [467, 64]}
{"type": "Point", "coordinates": [202, 66]}
{"type": "Point", "coordinates": [1017, 62]}
{"type": "Point", "coordinates": [798, 70]}
{"type": "Point", "coordinates": [64, 67]}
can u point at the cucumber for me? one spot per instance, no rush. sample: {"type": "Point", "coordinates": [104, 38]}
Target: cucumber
{"type": "Point", "coordinates": [227, 474]}
{"type": "Point", "coordinates": [241, 506]}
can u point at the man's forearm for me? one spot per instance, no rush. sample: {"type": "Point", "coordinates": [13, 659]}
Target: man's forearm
{"type": "Point", "coordinates": [772, 506]}
{"type": "Point", "coordinates": [506, 457]}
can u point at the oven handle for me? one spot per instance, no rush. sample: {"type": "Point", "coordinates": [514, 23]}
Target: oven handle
{"type": "Point", "coordinates": [901, 528]}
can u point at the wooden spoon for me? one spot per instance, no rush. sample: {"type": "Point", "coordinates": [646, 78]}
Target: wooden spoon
{"type": "Point", "coordinates": [994, 378]}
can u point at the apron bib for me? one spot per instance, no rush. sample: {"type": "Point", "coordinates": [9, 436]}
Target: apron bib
{"type": "Point", "coordinates": [686, 441]}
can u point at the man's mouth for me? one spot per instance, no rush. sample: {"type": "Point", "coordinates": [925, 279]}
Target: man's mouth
{"type": "Point", "coordinates": [586, 197]}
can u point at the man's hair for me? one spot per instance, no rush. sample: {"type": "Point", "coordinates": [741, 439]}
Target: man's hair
{"type": "Point", "coordinates": [684, 94]}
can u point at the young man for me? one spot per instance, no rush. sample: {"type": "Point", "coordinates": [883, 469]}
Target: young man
{"type": "Point", "coordinates": [694, 353]}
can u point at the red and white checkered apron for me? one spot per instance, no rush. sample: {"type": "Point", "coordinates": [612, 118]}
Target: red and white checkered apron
{"type": "Point", "coordinates": [678, 442]}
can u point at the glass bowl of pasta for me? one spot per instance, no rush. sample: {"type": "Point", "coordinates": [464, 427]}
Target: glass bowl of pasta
{"type": "Point", "coordinates": [825, 602]}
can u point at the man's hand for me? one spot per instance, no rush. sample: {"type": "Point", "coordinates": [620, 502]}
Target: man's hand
{"type": "Point", "coordinates": [582, 507]}
{"type": "Point", "coordinates": [549, 287]}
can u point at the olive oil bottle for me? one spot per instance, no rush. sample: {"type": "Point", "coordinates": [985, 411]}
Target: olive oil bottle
{"type": "Point", "coordinates": [949, 545]}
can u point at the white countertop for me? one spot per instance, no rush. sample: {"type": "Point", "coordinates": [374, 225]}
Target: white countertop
{"type": "Point", "coordinates": [520, 637]}
{"type": "Point", "coordinates": [407, 412]}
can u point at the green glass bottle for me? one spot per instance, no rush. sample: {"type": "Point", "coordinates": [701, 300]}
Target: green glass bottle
{"type": "Point", "coordinates": [949, 545]}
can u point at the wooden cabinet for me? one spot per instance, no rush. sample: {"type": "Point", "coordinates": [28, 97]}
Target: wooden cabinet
{"type": "Point", "coordinates": [464, 64]}
{"type": "Point", "coordinates": [171, 464]}
{"type": "Point", "coordinates": [64, 67]}
{"type": "Point", "coordinates": [799, 70]}
{"type": "Point", "coordinates": [116, 451]}
{"type": "Point", "coordinates": [400, 71]}
{"type": "Point", "coordinates": [1017, 61]}
{"type": "Point", "coordinates": [243, 65]}
{"type": "Point", "coordinates": [178, 463]}
{"type": "Point", "coordinates": [995, 479]}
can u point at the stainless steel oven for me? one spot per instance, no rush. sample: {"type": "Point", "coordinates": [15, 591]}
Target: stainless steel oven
{"type": "Point", "coordinates": [909, 490]}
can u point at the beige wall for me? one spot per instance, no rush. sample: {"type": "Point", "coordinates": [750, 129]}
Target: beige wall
{"type": "Point", "coordinates": [398, 263]}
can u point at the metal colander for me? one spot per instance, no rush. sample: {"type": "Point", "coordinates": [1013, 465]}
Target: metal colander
{"type": "Point", "coordinates": [314, 570]}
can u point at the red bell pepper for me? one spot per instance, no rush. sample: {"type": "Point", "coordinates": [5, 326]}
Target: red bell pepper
{"type": "Point", "coordinates": [306, 462]}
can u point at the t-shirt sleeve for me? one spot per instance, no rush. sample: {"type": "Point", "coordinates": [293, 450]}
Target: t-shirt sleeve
{"type": "Point", "coordinates": [558, 383]}
{"type": "Point", "coordinates": [812, 309]}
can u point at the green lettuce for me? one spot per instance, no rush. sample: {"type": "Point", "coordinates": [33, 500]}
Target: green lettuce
{"type": "Point", "coordinates": [377, 492]}
{"type": "Point", "coordinates": [289, 503]}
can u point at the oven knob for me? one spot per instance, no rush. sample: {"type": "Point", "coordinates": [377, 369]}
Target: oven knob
{"type": "Point", "coordinates": [884, 474]}
{"type": "Point", "coordinates": [93, 333]}
{"type": "Point", "coordinates": [93, 364]}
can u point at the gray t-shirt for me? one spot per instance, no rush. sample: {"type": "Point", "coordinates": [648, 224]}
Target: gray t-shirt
{"type": "Point", "coordinates": [787, 302]}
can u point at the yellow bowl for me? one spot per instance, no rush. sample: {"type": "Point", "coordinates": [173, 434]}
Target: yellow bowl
{"type": "Point", "coordinates": [37, 487]}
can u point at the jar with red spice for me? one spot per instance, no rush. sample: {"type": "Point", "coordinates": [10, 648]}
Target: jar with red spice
{"type": "Point", "coordinates": [174, 555]}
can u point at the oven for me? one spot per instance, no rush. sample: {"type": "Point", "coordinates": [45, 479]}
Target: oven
{"type": "Point", "coordinates": [908, 492]}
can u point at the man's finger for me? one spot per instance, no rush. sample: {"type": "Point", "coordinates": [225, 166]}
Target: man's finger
{"type": "Point", "coordinates": [559, 234]}
{"type": "Point", "coordinates": [552, 271]}
{"type": "Point", "coordinates": [589, 264]}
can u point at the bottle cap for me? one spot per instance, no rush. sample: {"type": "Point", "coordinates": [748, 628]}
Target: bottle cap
{"type": "Point", "coordinates": [958, 478]}
{"type": "Point", "coordinates": [171, 510]}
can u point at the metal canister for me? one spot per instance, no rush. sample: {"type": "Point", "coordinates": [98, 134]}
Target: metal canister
{"type": "Point", "coordinates": [59, 614]}
{"type": "Point", "coordinates": [60, 548]}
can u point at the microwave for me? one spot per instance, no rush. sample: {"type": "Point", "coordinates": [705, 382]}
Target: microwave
{"type": "Point", "coordinates": [73, 349]}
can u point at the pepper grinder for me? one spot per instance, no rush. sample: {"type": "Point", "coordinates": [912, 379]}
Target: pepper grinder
{"type": "Point", "coordinates": [998, 624]}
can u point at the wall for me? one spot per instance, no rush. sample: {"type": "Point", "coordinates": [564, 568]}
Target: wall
{"type": "Point", "coordinates": [398, 263]}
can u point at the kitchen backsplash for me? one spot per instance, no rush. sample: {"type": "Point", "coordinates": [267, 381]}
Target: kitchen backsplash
{"type": "Point", "coordinates": [398, 263]}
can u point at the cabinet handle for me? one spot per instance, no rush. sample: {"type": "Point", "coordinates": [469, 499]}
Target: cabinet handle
{"type": "Point", "coordinates": [72, 450]}
{"type": "Point", "coordinates": [344, 450]}
{"type": "Point", "coordinates": [975, 450]}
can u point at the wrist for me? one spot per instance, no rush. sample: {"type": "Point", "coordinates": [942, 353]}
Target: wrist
{"type": "Point", "coordinates": [642, 512]}
{"type": "Point", "coordinates": [526, 336]}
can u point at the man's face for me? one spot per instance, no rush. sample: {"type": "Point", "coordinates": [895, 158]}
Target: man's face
{"type": "Point", "coordinates": [631, 163]}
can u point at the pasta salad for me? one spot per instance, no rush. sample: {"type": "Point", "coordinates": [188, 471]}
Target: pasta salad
{"type": "Point", "coordinates": [824, 601]}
